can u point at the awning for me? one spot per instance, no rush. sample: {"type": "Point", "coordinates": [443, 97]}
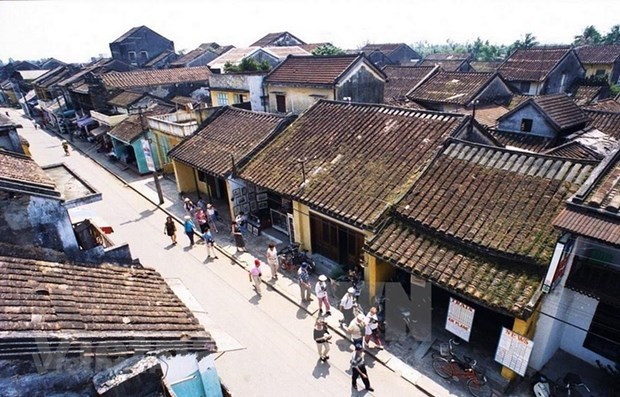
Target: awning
{"type": "Point", "coordinates": [85, 121]}
{"type": "Point", "coordinates": [99, 131]}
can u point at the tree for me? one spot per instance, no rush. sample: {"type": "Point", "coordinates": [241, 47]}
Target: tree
{"type": "Point", "coordinates": [529, 41]}
{"type": "Point", "coordinates": [589, 36]}
{"type": "Point", "coordinates": [613, 37]}
{"type": "Point", "coordinates": [247, 65]}
{"type": "Point", "coordinates": [327, 49]}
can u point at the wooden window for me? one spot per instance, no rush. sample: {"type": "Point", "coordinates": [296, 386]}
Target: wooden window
{"type": "Point", "coordinates": [144, 56]}
{"type": "Point", "coordinates": [132, 56]}
{"type": "Point", "coordinates": [280, 103]}
{"type": "Point", "coordinates": [526, 125]}
{"type": "Point", "coordinates": [525, 87]}
{"type": "Point", "coordinates": [222, 98]}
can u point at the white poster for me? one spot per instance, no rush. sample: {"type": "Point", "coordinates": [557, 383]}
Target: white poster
{"type": "Point", "coordinates": [513, 351]}
{"type": "Point", "coordinates": [148, 156]}
{"type": "Point", "coordinates": [460, 319]}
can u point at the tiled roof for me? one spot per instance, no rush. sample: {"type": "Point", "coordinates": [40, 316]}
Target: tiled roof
{"type": "Point", "coordinates": [574, 150]}
{"type": "Point", "coordinates": [127, 34]}
{"type": "Point", "coordinates": [444, 56]}
{"type": "Point", "coordinates": [607, 122]}
{"type": "Point", "coordinates": [146, 78]}
{"type": "Point", "coordinates": [605, 105]}
{"type": "Point", "coordinates": [358, 159]}
{"type": "Point", "coordinates": [283, 52]}
{"type": "Point", "coordinates": [559, 109]}
{"type": "Point", "coordinates": [594, 211]}
{"type": "Point", "coordinates": [499, 284]}
{"type": "Point", "coordinates": [401, 79]}
{"type": "Point", "coordinates": [154, 61]}
{"type": "Point", "coordinates": [495, 200]}
{"type": "Point", "coordinates": [313, 46]}
{"type": "Point", "coordinates": [311, 70]}
{"type": "Point", "coordinates": [489, 115]}
{"type": "Point", "coordinates": [105, 303]}
{"type": "Point", "coordinates": [128, 130]}
{"type": "Point", "coordinates": [125, 98]}
{"type": "Point", "coordinates": [598, 54]}
{"type": "Point", "coordinates": [20, 173]}
{"type": "Point", "coordinates": [203, 48]}
{"type": "Point", "coordinates": [531, 143]}
{"type": "Point", "coordinates": [585, 94]}
{"type": "Point", "coordinates": [447, 65]}
{"type": "Point", "coordinates": [533, 64]}
{"type": "Point", "coordinates": [232, 131]}
{"type": "Point", "coordinates": [459, 88]}
{"type": "Point", "coordinates": [234, 56]}
{"type": "Point", "coordinates": [485, 66]}
{"type": "Point", "coordinates": [270, 38]}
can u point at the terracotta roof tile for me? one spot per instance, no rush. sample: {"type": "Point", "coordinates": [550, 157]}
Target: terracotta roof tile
{"type": "Point", "coordinates": [447, 65]}
{"type": "Point", "coordinates": [495, 199]}
{"type": "Point", "coordinates": [499, 284]}
{"type": "Point", "coordinates": [146, 78]}
{"type": "Point", "coordinates": [444, 56]}
{"type": "Point", "coordinates": [604, 105]}
{"type": "Point", "coordinates": [562, 111]}
{"type": "Point", "coordinates": [271, 38]}
{"type": "Point", "coordinates": [359, 158]}
{"type": "Point", "coordinates": [531, 143]}
{"type": "Point", "coordinates": [485, 66]}
{"type": "Point", "coordinates": [125, 98]}
{"type": "Point", "coordinates": [459, 88]}
{"type": "Point", "coordinates": [598, 54]}
{"type": "Point", "coordinates": [232, 131]}
{"type": "Point", "coordinates": [533, 64]}
{"type": "Point", "coordinates": [132, 127]}
{"type": "Point", "coordinates": [584, 94]}
{"type": "Point", "coordinates": [574, 150]}
{"type": "Point", "coordinates": [607, 122]}
{"type": "Point", "coordinates": [21, 173]}
{"type": "Point", "coordinates": [589, 224]}
{"type": "Point", "coordinates": [311, 69]}
{"type": "Point", "coordinates": [74, 302]}
{"type": "Point", "coordinates": [401, 79]}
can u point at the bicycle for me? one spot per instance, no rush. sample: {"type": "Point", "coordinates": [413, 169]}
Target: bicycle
{"type": "Point", "coordinates": [449, 365]}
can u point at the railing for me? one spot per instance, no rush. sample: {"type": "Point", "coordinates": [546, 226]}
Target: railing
{"type": "Point", "coordinates": [179, 124]}
{"type": "Point", "coordinates": [107, 120]}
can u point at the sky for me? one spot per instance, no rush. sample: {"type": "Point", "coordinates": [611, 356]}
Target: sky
{"type": "Point", "coordinates": [76, 30]}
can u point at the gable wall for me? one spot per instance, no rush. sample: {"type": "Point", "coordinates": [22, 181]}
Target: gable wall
{"type": "Point", "coordinates": [142, 40]}
{"type": "Point", "coordinates": [571, 67]}
{"type": "Point", "coordinates": [496, 92]}
{"type": "Point", "coordinates": [404, 56]}
{"type": "Point", "coordinates": [540, 126]}
{"type": "Point", "coordinates": [361, 85]}
{"type": "Point", "coordinates": [298, 99]}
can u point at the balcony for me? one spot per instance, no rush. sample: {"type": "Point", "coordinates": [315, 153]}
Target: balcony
{"type": "Point", "coordinates": [109, 120]}
{"type": "Point", "coordinates": [179, 124]}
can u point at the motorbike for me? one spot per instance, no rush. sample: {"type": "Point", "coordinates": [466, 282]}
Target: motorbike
{"type": "Point", "coordinates": [291, 257]}
{"type": "Point", "coordinates": [565, 386]}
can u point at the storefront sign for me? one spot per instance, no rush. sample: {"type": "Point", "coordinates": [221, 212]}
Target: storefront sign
{"type": "Point", "coordinates": [460, 319]}
{"type": "Point", "coordinates": [148, 155]}
{"type": "Point", "coordinates": [557, 267]}
{"type": "Point", "coordinates": [513, 351]}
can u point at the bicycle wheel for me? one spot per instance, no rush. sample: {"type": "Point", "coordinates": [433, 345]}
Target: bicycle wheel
{"type": "Point", "coordinates": [443, 367]}
{"type": "Point", "coordinates": [479, 387]}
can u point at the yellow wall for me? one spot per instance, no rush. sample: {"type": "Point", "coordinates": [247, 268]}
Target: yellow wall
{"type": "Point", "coordinates": [298, 99]}
{"type": "Point", "coordinates": [525, 328]}
{"type": "Point", "coordinates": [377, 271]}
{"type": "Point", "coordinates": [229, 95]}
{"type": "Point", "coordinates": [301, 225]}
{"type": "Point", "coordinates": [184, 176]}
{"type": "Point", "coordinates": [591, 69]}
{"type": "Point", "coordinates": [160, 146]}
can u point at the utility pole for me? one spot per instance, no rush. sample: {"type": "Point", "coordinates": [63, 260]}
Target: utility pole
{"type": "Point", "coordinates": [148, 155]}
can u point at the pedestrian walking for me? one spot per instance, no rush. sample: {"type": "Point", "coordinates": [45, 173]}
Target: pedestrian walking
{"type": "Point", "coordinates": [322, 337]}
{"type": "Point", "coordinates": [212, 217]}
{"type": "Point", "coordinates": [357, 330]}
{"type": "Point", "coordinates": [201, 219]}
{"type": "Point", "coordinates": [65, 147]}
{"type": "Point", "coordinates": [372, 329]}
{"type": "Point", "coordinates": [272, 260]}
{"type": "Point", "coordinates": [209, 242]}
{"type": "Point", "coordinates": [239, 241]}
{"type": "Point", "coordinates": [7, 114]}
{"type": "Point", "coordinates": [346, 306]}
{"type": "Point", "coordinates": [188, 205]}
{"type": "Point", "coordinates": [202, 205]}
{"type": "Point", "coordinates": [36, 126]}
{"type": "Point", "coordinates": [358, 369]}
{"type": "Point", "coordinates": [320, 289]}
{"type": "Point", "coordinates": [189, 227]}
{"type": "Point", "coordinates": [170, 229]}
{"type": "Point", "coordinates": [304, 282]}
{"type": "Point", "coordinates": [255, 276]}
{"type": "Point", "coordinates": [241, 219]}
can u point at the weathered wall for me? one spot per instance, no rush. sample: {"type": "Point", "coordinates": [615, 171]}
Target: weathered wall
{"type": "Point", "coordinates": [362, 86]}
{"type": "Point", "coordinates": [32, 220]}
{"type": "Point", "coordinates": [540, 126]}
{"type": "Point", "coordinates": [298, 99]}
{"type": "Point", "coordinates": [573, 70]}
{"type": "Point", "coordinates": [404, 55]}
{"type": "Point", "coordinates": [141, 40]}
{"type": "Point", "coordinates": [495, 92]}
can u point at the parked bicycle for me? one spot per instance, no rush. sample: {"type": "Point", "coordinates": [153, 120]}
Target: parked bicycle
{"type": "Point", "coordinates": [568, 385]}
{"type": "Point", "coordinates": [449, 365]}
{"type": "Point", "coordinates": [291, 258]}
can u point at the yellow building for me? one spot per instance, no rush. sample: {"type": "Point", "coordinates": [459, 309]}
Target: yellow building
{"type": "Point", "coordinates": [601, 61]}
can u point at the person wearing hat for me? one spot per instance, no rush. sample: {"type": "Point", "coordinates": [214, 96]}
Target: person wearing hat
{"type": "Point", "coordinates": [357, 329]}
{"type": "Point", "coordinates": [212, 216]}
{"type": "Point", "coordinates": [188, 205]}
{"type": "Point", "coordinates": [346, 306]}
{"type": "Point", "coordinates": [188, 226]}
{"type": "Point", "coordinates": [372, 329]}
{"type": "Point", "coordinates": [321, 337]}
{"type": "Point", "coordinates": [65, 147]}
{"type": "Point", "coordinates": [255, 275]}
{"type": "Point", "coordinates": [272, 260]}
{"type": "Point", "coordinates": [358, 369]}
{"type": "Point", "coordinates": [320, 289]}
{"type": "Point", "coordinates": [304, 282]}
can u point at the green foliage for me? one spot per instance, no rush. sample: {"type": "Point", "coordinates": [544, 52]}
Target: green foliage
{"type": "Point", "coordinates": [589, 36]}
{"type": "Point", "coordinates": [327, 49]}
{"type": "Point", "coordinates": [247, 65]}
{"type": "Point", "coordinates": [614, 90]}
{"type": "Point", "coordinates": [613, 37]}
{"type": "Point", "coordinates": [529, 41]}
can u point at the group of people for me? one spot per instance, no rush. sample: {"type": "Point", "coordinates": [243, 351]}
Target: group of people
{"type": "Point", "coordinates": [202, 214]}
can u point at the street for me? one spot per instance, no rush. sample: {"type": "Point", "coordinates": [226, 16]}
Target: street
{"type": "Point", "coordinates": [279, 355]}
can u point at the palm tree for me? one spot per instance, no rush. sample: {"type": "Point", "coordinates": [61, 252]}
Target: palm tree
{"type": "Point", "coordinates": [589, 36]}
{"type": "Point", "coordinates": [613, 37]}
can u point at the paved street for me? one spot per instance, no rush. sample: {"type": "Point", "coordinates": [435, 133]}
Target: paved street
{"type": "Point", "coordinates": [277, 355]}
